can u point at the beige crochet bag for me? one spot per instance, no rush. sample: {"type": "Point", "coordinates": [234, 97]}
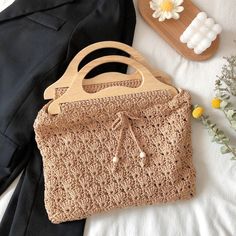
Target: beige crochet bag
{"type": "Point", "coordinates": [115, 152]}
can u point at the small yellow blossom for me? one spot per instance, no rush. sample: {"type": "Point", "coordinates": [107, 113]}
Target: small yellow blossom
{"type": "Point", "coordinates": [198, 112]}
{"type": "Point", "coordinates": [166, 9]}
{"type": "Point", "coordinates": [215, 103]}
{"type": "Point", "coordinates": [167, 5]}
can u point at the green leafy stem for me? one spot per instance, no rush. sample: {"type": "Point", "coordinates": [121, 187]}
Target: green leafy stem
{"type": "Point", "coordinates": [225, 105]}
{"type": "Point", "coordinates": [218, 136]}
{"type": "Point", "coordinates": [228, 76]}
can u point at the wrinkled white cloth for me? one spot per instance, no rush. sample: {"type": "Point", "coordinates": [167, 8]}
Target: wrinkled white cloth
{"type": "Point", "coordinates": [213, 211]}
{"type": "Point", "coordinates": [5, 3]}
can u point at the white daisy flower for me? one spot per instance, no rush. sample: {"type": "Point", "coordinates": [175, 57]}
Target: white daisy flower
{"type": "Point", "coordinates": [166, 9]}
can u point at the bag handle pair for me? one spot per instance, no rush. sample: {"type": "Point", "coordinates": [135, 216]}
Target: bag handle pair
{"type": "Point", "coordinates": [76, 92]}
{"type": "Point", "coordinates": [68, 77]}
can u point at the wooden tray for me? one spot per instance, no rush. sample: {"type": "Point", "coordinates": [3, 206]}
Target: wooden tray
{"type": "Point", "coordinates": [171, 30]}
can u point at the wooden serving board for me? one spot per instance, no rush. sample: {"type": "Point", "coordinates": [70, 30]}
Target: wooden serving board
{"type": "Point", "coordinates": [171, 30]}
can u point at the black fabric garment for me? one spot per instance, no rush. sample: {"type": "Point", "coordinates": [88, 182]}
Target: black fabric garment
{"type": "Point", "coordinates": [37, 41]}
{"type": "Point", "coordinates": [26, 214]}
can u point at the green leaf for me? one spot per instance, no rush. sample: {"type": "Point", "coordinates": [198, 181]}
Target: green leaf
{"type": "Point", "coordinates": [195, 106]}
{"type": "Point", "coordinates": [221, 134]}
{"type": "Point", "coordinates": [211, 132]}
{"type": "Point", "coordinates": [224, 104]}
{"type": "Point", "coordinates": [219, 141]}
{"type": "Point", "coordinates": [225, 97]}
{"type": "Point", "coordinates": [234, 116]}
{"type": "Point", "coordinates": [213, 125]}
{"type": "Point", "coordinates": [233, 124]}
{"type": "Point", "coordinates": [208, 122]}
{"type": "Point", "coordinates": [225, 150]}
{"type": "Point", "coordinates": [225, 140]}
{"type": "Point", "coordinates": [230, 114]}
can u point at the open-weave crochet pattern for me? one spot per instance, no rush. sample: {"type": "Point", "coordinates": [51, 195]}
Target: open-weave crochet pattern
{"type": "Point", "coordinates": [79, 143]}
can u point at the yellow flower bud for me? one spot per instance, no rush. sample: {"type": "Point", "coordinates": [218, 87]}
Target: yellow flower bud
{"type": "Point", "coordinates": [197, 112]}
{"type": "Point", "coordinates": [167, 5]}
{"type": "Point", "coordinates": [215, 103]}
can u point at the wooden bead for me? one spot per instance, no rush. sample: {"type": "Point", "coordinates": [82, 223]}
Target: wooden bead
{"type": "Point", "coordinates": [142, 154]}
{"type": "Point", "coordinates": [115, 159]}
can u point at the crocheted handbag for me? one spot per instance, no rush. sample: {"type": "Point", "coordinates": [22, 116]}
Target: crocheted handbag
{"type": "Point", "coordinates": [115, 152]}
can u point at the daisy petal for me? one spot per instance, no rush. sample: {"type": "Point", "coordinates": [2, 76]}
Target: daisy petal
{"type": "Point", "coordinates": [162, 17]}
{"type": "Point", "coordinates": [168, 15]}
{"type": "Point", "coordinates": [153, 6]}
{"type": "Point", "coordinates": [156, 14]}
{"type": "Point", "coordinates": [158, 2]}
{"type": "Point", "coordinates": [178, 2]}
{"type": "Point", "coordinates": [175, 15]}
{"type": "Point", "coordinates": [179, 9]}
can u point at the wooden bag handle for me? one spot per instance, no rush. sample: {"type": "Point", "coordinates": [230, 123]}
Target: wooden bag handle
{"type": "Point", "coordinates": [67, 78]}
{"type": "Point", "coordinates": [76, 92]}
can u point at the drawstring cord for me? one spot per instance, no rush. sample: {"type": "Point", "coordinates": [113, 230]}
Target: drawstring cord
{"type": "Point", "coordinates": [124, 121]}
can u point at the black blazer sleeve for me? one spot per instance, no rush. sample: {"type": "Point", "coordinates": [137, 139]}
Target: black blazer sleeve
{"type": "Point", "coordinates": [37, 41]}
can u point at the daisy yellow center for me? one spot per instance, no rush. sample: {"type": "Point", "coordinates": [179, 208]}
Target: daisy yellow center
{"type": "Point", "coordinates": [167, 5]}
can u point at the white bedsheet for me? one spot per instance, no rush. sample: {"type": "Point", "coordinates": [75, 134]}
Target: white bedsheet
{"type": "Point", "coordinates": [213, 211]}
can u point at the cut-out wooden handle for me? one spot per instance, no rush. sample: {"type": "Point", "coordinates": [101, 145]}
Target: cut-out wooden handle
{"type": "Point", "coordinates": [104, 78]}
{"type": "Point", "coordinates": [67, 78]}
{"type": "Point", "coordinates": [76, 92]}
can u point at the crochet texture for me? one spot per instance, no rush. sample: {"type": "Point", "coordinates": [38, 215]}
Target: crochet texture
{"type": "Point", "coordinates": [78, 146]}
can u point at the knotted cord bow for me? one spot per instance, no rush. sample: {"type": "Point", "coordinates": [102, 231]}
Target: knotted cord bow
{"type": "Point", "coordinates": [123, 121]}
